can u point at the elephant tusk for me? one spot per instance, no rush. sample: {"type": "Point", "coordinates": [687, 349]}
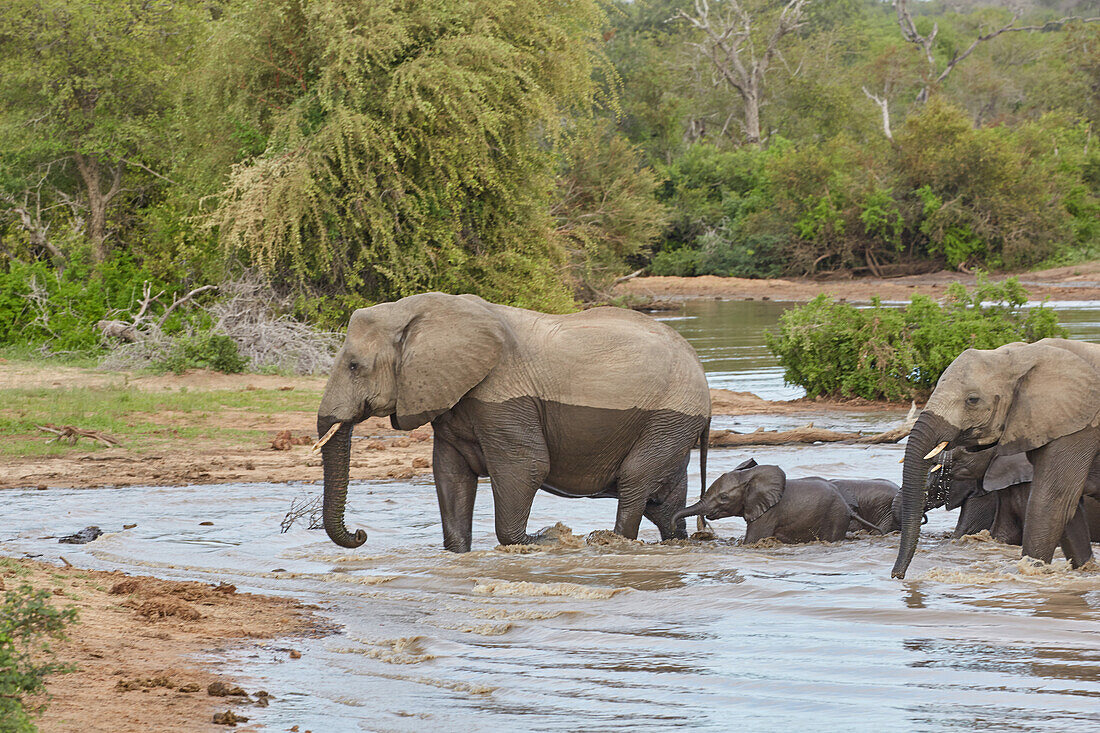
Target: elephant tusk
{"type": "Point", "coordinates": [936, 451]}
{"type": "Point", "coordinates": [935, 468]}
{"type": "Point", "coordinates": [327, 437]}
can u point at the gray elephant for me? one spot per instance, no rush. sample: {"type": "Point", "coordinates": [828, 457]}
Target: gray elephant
{"type": "Point", "coordinates": [1042, 399]}
{"type": "Point", "coordinates": [992, 494]}
{"type": "Point", "coordinates": [791, 511]}
{"type": "Point", "coordinates": [876, 500]}
{"type": "Point", "coordinates": [602, 403]}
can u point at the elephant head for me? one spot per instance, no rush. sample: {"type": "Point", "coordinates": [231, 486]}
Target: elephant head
{"type": "Point", "coordinates": [747, 491]}
{"type": "Point", "coordinates": [967, 478]}
{"type": "Point", "coordinates": [411, 360]}
{"type": "Point", "coordinates": [1009, 400]}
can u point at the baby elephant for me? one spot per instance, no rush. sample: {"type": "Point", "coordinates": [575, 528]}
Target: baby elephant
{"type": "Point", "coordinates": [876, 500]}
{"type": "Point", "coordinates": [798, 510]}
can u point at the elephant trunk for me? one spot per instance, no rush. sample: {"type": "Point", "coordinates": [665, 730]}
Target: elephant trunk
{"type": "Point", "coordinates": [336, 455]}
{"type": "Point", "coordinates": [928, 432]}
{"type": "Point", "coordinates": [696, 509]}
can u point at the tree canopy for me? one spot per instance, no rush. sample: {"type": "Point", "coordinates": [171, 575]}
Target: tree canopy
{"type": "Point", "coordinates": [531, 151]}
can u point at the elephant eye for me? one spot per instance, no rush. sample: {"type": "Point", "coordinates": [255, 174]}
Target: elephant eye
{"type": "Point", "coordinates": [353, 365]}
{"type": "Point", "coordinates": [972, 400]}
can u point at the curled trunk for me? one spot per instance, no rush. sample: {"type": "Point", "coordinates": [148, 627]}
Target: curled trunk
{"type": "Point", "coordinates": [336, 457]}
{"type": "Point", "coordinates": [696, 509]}
{"type": "Point", "coordinates": [927, 433]}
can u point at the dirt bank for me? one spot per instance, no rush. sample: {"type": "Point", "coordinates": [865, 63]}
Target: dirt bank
{"type": "Point", "coordinates": [135, 645]}
{"type": "Point", "coordinates": [1077, 282]}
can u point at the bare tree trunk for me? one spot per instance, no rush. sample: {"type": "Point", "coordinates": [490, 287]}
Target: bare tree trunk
{"type": "Point", "coordinates": [98, 200]}
{"type": "Point", "coordinates": [730, 42]}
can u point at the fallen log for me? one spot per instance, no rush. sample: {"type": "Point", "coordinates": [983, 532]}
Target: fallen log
{"type": "Point", "coordinates": [809, 434]}
{"type": "Point", "coordinates": [70, 434]}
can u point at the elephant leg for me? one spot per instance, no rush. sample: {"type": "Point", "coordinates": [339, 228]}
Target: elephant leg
{"type": "Point", "coordinates": [1075, 540]}
{"type": "Point", "coordinates": [646, 474]}
{"type": "Point", "coordinates": [456, 489]}
{"type": "Point", "coordinates": [1061, 468]}
{"type": "Point", "coordinates": [663, 513]}
{"type": "Point", "coordinates": [978, 512]}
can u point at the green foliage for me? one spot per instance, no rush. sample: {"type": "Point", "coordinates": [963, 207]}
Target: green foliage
{"type": "Point", "coordinates": [205, 350]}
{"type": "Point", "coordinates": [675, 262]}
{"type": "Point", "coordinates": [409, 146]}
{"type": "Point", "coordinates": [69, 302]}
{"type": "Point", "coordinates": [605, 212]}
{"type": "Point", "coordinates": [27, 623]}
{"type": "Point", "coordinates": [83, 105]}
{"type": "Point", "coordinates": [885, 352]}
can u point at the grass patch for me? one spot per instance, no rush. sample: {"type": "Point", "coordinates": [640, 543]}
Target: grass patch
{"type": "Point", "coordinates": [142, 420]}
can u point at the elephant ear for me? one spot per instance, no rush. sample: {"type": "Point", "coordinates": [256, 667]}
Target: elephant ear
{"type": "Point", "coordinates": [763, 491]}
{"type": "Point", "coordinates": [751, 463]}
{"type": "Point", "coordinates": [1005, 471]}
{"type": "Point", "coordinates": [1057, 393]}
{"type": "Point", "coordinates": [448, 346]}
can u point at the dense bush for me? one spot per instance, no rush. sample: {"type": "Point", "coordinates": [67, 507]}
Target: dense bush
{"type": "Point", "coordinates": [207, 350]}
{"type": "Point", "coordinates": [27, 622]}
{"type": "Point", "coordinates": [40, 305]}
{"type": "Point", "coordinates": [886, 352]}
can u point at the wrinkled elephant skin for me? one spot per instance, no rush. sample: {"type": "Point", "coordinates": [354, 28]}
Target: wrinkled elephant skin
{"type": "Point", "coordinates": [605, 402]}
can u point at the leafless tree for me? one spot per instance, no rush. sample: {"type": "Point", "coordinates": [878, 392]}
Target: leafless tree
{"type": "Point", "coordinates": [741, 49]}
{"type": "Point", "coordinates": [934, 77]}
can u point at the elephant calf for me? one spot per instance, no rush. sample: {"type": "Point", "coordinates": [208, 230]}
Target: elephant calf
{"type": "Point", "coordinates": [992, 493]}
{"type": "Point", "coordinates": [876, 500]}
{"type": "Point", "coordinates": [792, 511]}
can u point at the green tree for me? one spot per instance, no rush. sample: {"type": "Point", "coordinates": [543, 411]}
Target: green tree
{"type": "Point", "coordinates": [83, 106]}
{"type": "Point", "coordinates": [405, 145]}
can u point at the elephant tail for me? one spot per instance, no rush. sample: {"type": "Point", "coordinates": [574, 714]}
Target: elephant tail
{"type": "Point", "coordinates": [865, 523]}
{"type": "Point", "coordinates": [704, 440]}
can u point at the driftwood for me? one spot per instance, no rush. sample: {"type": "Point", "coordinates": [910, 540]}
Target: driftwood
{"type": "Point", "coordinates": [809, 434]}
{"type": "Point", "coordinates": [70, 434]}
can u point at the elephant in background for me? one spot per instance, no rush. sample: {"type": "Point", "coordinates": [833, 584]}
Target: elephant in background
{"type": "Point", "coordinates": [792, 511]}
{"type": "Point", "coordinates": [992, 494]}
{"type": "Point", "coordinates": [876, 500]}
{"type": "Point", "coordinates": [1042, 399]}
{"type": "Point", "coordinates": [602, 403]}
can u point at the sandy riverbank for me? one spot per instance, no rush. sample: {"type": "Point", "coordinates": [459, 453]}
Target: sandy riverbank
{"type": "Point", "coordinates": [135, 646]}
{"type": "Point", "coordinates": [1077, 282]}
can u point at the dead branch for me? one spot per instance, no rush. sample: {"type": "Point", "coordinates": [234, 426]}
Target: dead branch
{"type": "Point", "coordinates": [303, 507]}
{"type": "Point", "coordinates": [809, 434]}
{"type": "Point", "coordinates": [71, 434]}
{"type": "Point", "coordinates": [885, 107]}
{"type": "Point", "coordinates": [180, 301]}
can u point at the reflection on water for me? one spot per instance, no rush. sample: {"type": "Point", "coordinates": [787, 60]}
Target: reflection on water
{"type": "Point", "coordinates": [619, 635]}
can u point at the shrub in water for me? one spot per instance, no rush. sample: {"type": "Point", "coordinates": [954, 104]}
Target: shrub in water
{"type": "Point", "coordinates": [885, 352]}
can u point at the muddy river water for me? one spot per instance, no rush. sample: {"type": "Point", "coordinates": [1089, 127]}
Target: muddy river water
{"type": "Point", "coordinates": [593, 634]}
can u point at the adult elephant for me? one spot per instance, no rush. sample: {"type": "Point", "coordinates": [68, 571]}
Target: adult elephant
{"type": "Point", "coordinates": [606, 402]}
{"type": "Point", "coordinates": [1042, 399]}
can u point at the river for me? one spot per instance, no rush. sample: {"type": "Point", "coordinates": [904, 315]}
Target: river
{"type": "Point", "coordinates": [621, 636]}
